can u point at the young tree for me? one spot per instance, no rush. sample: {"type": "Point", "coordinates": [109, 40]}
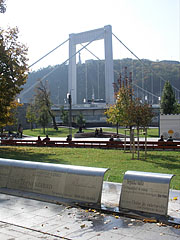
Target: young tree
{"type": "Point", "coordinates": [168, 100]}
{"type": "Point", "coordinates": [129, 111]}
{"type": "Point", "coordinates": [177, 111]}
{"type": "Point", "coordinates": [42, 101]}
{"type": "Point", "coordinates": [80, 121]}
{"type": "Point", "coordinates": [118, 114]}
{"type": "Point", "coordinates": [64, 116]}
{"type": "Point", "coordinates": [43, 117]}
{"type": "Point", "coordinates": [42, 113]}
{"type": "Point", "coordinates": [13, 72]}
{"type": "Point", "coordinates": [31, 115]}
{"type": "Point", "coordinates": [142, 118]}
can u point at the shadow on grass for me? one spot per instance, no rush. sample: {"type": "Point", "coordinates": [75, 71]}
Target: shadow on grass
{"type": "Point", "coordinates": [30, 155]}
{"type": "Point", "coordinates": [165, 161]}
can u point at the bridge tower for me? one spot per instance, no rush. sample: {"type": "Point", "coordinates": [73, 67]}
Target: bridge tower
{"type": "Point", "coordinates": [90, 36]}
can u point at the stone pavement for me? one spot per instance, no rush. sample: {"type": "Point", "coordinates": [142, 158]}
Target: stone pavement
{"type": "Point", "coordinates": [24, 218]}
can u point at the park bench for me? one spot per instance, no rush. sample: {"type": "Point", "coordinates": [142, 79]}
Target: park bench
{"type": "Point", "coordinates": [150, 145]}
{"type": "Point", "coordinates": [145, 192]}
{"type": "Point", "coordinates": [76, 183]}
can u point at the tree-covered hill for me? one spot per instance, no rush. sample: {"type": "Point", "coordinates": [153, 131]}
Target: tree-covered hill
{"type": "Point", "coordinates": [146, 74]}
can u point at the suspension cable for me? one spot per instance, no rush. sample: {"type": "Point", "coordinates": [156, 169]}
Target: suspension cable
{"type": "Point", "coordinates": [145, 90]}
{"type": "Point", "coordinates": [91, 52]}
{"type": "Point", "coordinates": [48, 53]}
{"type": "Point", "coordinates": [53, 70]}
{"type": "Point", "coordinates": [150, 68]}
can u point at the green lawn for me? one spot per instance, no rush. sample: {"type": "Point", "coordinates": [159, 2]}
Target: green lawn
{"type": "Point", "coordinates": [63, 132]}
{"type": "Point", "coordinates": [118, 161]}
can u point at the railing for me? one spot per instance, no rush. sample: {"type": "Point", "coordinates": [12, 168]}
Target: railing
{"type": "Point", "coordinates": [93, 144]}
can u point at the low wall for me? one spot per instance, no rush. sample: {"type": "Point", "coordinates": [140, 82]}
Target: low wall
{"type": "Point", "coordinates": [78, 183]}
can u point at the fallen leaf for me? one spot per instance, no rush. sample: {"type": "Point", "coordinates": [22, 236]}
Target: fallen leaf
{"type": "Point", "coordinates": [106, 222]}
{"type": "Point", "coordinates": [130, 224]}
{"type": "Point", "coordinates": [83, 226]}
{"type": "Point", "coordinates": [150, 220]}
{"type": "Point", "coordinates": [115, 228]}
{"type": "Point", "coordinates": [177, 226]}
{"type": "Point", "coordinates": [66, 228]}
{"type": "Point", "coordinates": [68, 207]}
{"type": "Point", "coordinates": [161, 224]}
{"type": "Point", "coordinates": [97, 213]}
{"type": "Point", "coordinates": [117, 217]}
{"type": "Point", "coordinates": [175, 198]}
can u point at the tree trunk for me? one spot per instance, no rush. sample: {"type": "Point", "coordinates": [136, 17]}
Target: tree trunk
{"type": "Point", "coordinates": [131, 138]}
{"type": "Point", "coordinates": [117, 128]}
{"type": "Point", "coordinates": [54, 120]}
{"type": "Point", "coordinates": [145, 143]}
{"type": "Point", "coordinates": [31, 126]}
{"type": "Point", "coordinates": [133, 143]}
{"type": "Point", "coordinates": [138, 142]}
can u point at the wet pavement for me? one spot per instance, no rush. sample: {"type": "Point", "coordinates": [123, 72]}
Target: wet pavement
{"type": "Point", "coordinates": [22, 218]}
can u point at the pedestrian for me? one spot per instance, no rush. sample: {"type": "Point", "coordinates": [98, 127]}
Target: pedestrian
{"type": "Point", "coordinates": [96, 132]}
{"type": "Point", "coordinates": [170, 139]}
{"type": "Point", "coordinates": [46, 139]}
{"type": "Point", "coordinates": [111, 139]}
{"type": "Point", "coordinates": [161, 139]}
{"type": "Point", "coordinates": [20, 130]}
{"type": "Point", "coordinates": [39, 139]}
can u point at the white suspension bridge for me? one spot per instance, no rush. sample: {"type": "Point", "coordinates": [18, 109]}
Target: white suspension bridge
{"type": "Point", "coordinates": [85, 39]}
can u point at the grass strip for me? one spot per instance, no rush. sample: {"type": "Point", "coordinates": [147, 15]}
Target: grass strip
{"type": "Point", "coordinates": [118, 161]}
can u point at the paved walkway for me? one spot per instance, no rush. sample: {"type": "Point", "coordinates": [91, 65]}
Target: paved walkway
{"type": "Point", "coordinates": [23, 218]}
{"type": "Point", "coordinates": [85, 139]}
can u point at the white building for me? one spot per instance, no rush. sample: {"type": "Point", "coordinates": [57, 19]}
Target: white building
{"type": "Point", "coordinates": [170, 126]}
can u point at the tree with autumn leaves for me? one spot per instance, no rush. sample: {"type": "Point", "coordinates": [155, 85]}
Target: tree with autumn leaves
{"type": "Point", "coordinates": [13, 71]}
{"type": "Point", "coordinates": [129, 111]}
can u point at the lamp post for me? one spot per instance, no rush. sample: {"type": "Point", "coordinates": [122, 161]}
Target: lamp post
{"type": "Point", "coordinates": [70, 114]}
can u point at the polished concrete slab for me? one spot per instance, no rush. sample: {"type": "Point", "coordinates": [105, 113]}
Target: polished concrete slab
{"type": "Point", "coordinates": [24, 218]}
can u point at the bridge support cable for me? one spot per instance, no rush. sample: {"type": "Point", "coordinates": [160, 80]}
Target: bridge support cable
{"type": "Point", "coordinates": [145, 90]}
{"type": "Point", "coordinates": [150, 68]}
{"type": "Point", "coordinates": [91, 52]}
{"type": "Point", "coordinates": [54, 69]}
{"type": "Point", "coordinates": [97, 71]}
{"type": "Point", "coordinates": [48, 53]}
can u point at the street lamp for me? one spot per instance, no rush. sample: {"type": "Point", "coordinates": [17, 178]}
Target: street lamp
{"type": "Point", "coordinates": [70, 115]}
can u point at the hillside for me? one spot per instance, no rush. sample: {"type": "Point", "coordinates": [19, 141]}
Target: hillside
{"type": "Point", "coordinates": [90, 79]}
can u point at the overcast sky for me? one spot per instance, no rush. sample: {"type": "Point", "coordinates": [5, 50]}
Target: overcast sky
{"type": "Point", "coordinates": [150, 28]}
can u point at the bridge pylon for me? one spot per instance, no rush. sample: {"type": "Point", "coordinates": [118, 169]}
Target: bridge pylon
{"type": "Point", "coordinates": [91, 36]}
